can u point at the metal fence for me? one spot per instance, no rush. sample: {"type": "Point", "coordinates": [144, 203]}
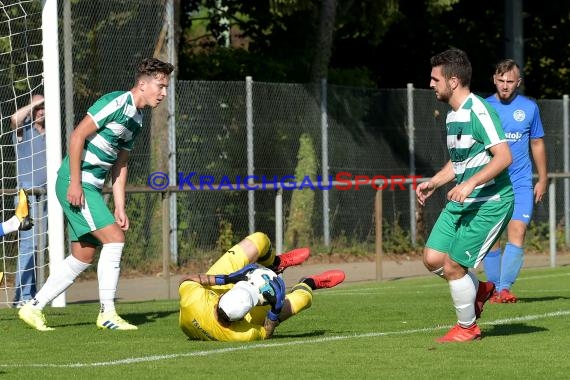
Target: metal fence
{"type": "Point", "coordinates": [367, 133]}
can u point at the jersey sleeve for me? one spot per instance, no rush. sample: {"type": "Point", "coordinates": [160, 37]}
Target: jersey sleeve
{"type": "Point", "coordinates": [536, 129]}
{"type": "Point", "coordinates": [487, 127]}
{"type": "Point", "coordinates": [107, 109]}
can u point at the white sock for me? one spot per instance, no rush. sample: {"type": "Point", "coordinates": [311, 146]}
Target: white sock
{"type": "Point", "coordinates": [474, 279]}
{"type": "Point", "coordinates": [61, 278]}
{"type": "Point", "coordinates": [11, 225]}
{"type": "Point", "coordinates": [463, 293]}
{"type": "Point", "coordinates": [108, 270]}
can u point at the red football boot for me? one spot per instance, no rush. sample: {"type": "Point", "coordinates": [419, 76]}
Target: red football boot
{"type": "Point", "coordinates": [291, 258]}
{"type": "Point", "coordinates": [484, 292]}
{"type": "Point", "coordinates": [507, 297]}
{"type": "Point", "coordinates": [495, 298]}
{"type": "Point", "coordinates": [328, 279]}
{"type": "Point", "coordinates": [461, 334]}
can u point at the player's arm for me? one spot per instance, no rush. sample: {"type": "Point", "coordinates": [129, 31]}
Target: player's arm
{"type": "Point", "coordinates": [276, 299]}
{"type": "Point", "coordinates": [200, 278]}
{"type": "Point", "coordinates": [425, 189]}
{"type": "Point", "coordinates": [500, 160]}
{"type": "Point", "coordinates": [269, 327]}
{"type": "Point", "coordinates": [18, 118]}
{"type": "Point", "coordinates": [76, 144]}
{"type": "Point", "coordinates": [538, 150]}
{"type": "Point", "coordinates": [220, 279]}
{"type": "Point", "coordinates": [119, 180]}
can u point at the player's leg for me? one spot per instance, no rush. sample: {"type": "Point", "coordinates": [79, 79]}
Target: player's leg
{"type": "Point", "coordinates": [21, 220]}
{"type": "Point", "coordinates": [25, 283]}
{"type": "Point", "coordinates": [301, 296]}
{"type": "Point", "coordinates": [247, 251]}
{"type": "Point", "coordinates": [64, 273]}
{"type": "Point", "coordinates": [477, 231]}
{"type": "Point", "coordinates": [492, 264]}
{"type": "Point", "coordinates": [62, 276]}
{"type": "Point", "coordinates": [439, 241]}
{"type": "Point", "coordinates": [513, 260]}
{"type": "Point", "coordinates": [285, 260]}
{"type": "Point", "coordinates": [513, 255]}
{"type": "Point", "coordinates": [105, 232]}
{"type": "Point", "coordinates": [108, 272]}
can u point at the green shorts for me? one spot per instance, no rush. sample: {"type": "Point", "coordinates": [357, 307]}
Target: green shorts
{"type": "Point", "coordinates": [81, 221]}
{"type": "Point", "coordinates": [467, 231]}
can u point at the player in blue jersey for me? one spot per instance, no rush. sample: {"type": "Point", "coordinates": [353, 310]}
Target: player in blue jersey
{"type": "Point", "coordinates": [523, 129]}
{"type": "Point", "coordinates": [481, 202]}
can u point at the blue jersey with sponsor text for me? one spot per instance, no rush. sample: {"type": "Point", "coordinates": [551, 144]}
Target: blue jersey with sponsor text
{"type": "Point", "coordinates": [521, 122]}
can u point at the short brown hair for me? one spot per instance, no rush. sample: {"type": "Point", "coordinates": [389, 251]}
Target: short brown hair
{"type": "Point", "coordinates": [454, 63]}
{"type": "Point", "coordinates": [152, 67]}
{"type": "Point", "coordinates": [506, 65]}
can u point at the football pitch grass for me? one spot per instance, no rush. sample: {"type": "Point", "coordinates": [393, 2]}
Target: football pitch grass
{"type": "Point", "coordinates": [369, 330]}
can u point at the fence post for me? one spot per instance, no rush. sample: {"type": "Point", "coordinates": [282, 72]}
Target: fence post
{"type": "Point", "coordinates": [166, 240]}
{"type": "Point", "coordinates": [325, 162]}
{"type": "Point", "coordinates": [412, 158]}
{"type": "Point", "coordinates": [250, 165]}
{"type": "Point", "coordinates": [566, 142]}
{"type": "Point", "coordinates": [552, 221]}
{"type": "Point", "coordinates": [172, 54]}
{"type": "Point", "coordinates": [378, 232]}
{"type": "Point", "coordinates": [279, 221]}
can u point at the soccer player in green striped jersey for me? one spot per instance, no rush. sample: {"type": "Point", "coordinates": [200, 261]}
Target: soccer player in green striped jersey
{"type": "Point", "coordinates": [480, 204]}
{"type": "Point", "coordinates": [99, 145]}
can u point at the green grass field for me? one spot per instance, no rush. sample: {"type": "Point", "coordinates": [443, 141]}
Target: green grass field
{"type": "Point", "coordinates": [359, 331]}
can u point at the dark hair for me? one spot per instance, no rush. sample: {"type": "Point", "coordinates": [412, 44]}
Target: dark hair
{"type": "Point", "coordinates": [152, 67]}
{"type": "Point", "coordinates": [222, 316]}
{"type": "Point", "coordinates": [506, 65]}
{"type": "Point", "coordinates": [454, 63]}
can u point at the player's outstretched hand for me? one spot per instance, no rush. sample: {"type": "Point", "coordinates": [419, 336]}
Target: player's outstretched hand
{"type": "Point", "coordinates": [235, 277]}
{"type": "Point", "coordinates": [276, 297]}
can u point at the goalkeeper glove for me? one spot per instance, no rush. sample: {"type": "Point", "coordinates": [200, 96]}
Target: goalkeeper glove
{"type": "Point", "coordinates": [276, 297]}
{"type": "Point", "coordinates": [237, 276]}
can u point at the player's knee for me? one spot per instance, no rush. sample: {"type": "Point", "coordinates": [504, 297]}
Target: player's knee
{"type": "Point", "coordinates": [433, 260]}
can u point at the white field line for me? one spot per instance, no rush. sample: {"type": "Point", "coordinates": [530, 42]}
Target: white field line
{"type": "Point", "coordinates": [435, 284]}
{"type": "Point", "coordinates": [272, 344]}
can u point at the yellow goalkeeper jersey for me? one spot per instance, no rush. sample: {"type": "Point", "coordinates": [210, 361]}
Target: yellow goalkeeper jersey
{"type": "Point", "coordinates": [198, 319]}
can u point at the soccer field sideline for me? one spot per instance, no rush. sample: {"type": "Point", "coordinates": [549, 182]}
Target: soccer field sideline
{"type": "Point", "coordinates": [271, 344]}
{"type": "Point", "coordinates": [155, 287]}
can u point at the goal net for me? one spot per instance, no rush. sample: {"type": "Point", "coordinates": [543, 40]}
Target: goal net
{"type": "Point", "coordinates": [23, 255]}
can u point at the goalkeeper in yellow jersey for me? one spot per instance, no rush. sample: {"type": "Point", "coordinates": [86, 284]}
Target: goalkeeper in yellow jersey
{"type": "Point", "coordinates": [220, 305]}
{"type": "Point", "coordinates": [21, 220]}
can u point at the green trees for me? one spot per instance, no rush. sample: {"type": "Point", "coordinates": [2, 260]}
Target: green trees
{"type": "Point", "coordinates": [384, 43]}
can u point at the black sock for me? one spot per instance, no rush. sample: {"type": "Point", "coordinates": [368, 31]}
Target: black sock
{"type": "Point", "coordinates": [276, 263]}
{"type": "Point", "coordinates": [309, 281]}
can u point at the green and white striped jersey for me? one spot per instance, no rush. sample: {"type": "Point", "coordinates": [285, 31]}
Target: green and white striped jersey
{"type": "Point", "coordinates": [118, 122]}
{"type": "Point", "coordinates": [471, 131]}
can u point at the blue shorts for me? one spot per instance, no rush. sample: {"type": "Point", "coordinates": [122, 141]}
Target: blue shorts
{"type": "Point", "coordinates": [524, 204]}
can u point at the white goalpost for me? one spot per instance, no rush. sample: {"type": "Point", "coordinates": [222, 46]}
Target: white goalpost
{"type": "Point", "coordinates": [29, 65]}
{"type": "Point", "coordinates": [53, 138]}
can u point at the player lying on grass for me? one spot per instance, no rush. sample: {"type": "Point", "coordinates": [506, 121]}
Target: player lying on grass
{"type": "Point", "coordinates": [21, 220]}
{"type": "Point", "coordinates": [221, 305]}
